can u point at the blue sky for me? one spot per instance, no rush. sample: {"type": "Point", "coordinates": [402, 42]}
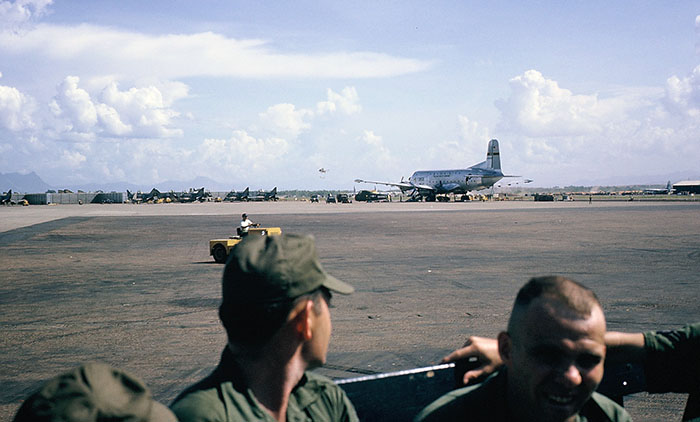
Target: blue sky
{"type": "Point", "coordinates": [265, 93]}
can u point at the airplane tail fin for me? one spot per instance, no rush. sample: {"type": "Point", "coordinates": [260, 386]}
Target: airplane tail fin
{"type": "Point", "coordinates": [493, 156]}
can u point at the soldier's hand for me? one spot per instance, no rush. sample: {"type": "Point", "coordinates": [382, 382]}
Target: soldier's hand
{"type": "Point", "coordinates": [476, 360]}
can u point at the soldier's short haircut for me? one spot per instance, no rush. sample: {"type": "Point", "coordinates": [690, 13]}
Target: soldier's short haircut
{"type": "Point", "coordinates": [576, 297]}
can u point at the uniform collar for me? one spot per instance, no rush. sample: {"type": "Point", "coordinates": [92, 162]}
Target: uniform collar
{"type": "Point", "coordinates": [307, 391]}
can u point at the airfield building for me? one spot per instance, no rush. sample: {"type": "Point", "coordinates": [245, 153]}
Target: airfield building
{"type": "Point", "coordinates": [74, 198]}
{"type": "Point", "coordinates": [690, 186]}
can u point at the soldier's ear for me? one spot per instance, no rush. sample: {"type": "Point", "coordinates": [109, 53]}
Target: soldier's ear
{"type": "Point", "coordinates": [505, 346]}
{"type": "Point", "coordinates": [302, 319]}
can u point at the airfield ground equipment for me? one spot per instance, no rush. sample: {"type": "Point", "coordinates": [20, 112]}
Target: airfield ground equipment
{"type": "Point", "coordinates": [544, 197]}
{"type": "Point", "coordinates": [220, 248]}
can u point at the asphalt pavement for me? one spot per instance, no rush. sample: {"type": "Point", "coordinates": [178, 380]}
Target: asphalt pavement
{"type": "Point", "coordinates": [134, 285]}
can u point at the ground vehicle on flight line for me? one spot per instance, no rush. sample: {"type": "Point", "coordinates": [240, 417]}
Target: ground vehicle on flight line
{"type": "Point", "coordinates": [370, 196]}
{"type": "Point", "coordinates": [220, 248]}
{"type": "Point", "coordinates": [427, 184]}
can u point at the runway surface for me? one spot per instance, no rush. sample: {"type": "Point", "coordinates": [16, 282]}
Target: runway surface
{"type": "Point", "coordinates": [134, 285]}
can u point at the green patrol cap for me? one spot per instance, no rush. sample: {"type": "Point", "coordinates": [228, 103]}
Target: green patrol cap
{"type": "Point", "coordinates": [93, 392]}
{"type": "Point", "coordinates": [265, 269]}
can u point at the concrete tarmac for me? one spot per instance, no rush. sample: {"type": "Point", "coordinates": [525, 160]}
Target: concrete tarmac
{"type": "Point", "coordinates": [134, 285]}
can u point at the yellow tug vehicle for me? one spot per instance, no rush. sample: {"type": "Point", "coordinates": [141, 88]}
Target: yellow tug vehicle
{"type": "Point", "coordinates": [220, 248]}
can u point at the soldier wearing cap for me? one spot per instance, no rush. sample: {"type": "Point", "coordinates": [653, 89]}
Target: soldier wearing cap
{"type": "Point", "coordinates": [93, 392]}
{"type": "Point", "coordinates": [275, 300]}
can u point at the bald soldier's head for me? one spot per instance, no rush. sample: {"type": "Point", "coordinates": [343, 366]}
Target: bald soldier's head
{"type": "Point", "coordinates": [554, 349]}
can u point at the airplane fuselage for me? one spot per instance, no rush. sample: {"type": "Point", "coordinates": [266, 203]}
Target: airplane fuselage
{"type": "Point", "coordinates": [427, 184]}
{"type": "Point", "coordinates": [456, 181]}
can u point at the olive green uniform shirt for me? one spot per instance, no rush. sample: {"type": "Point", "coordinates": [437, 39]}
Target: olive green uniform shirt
{"type": "Point", "coordinates": [222, 396]}
{"type": "Point", "coordinates": [486, 402]}
{"type": "Point", "coordinates": [672, 364]}
{"type": "Point", "coordinates": [673, 360]}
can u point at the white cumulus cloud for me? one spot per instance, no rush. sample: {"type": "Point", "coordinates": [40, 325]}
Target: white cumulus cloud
{"type": "Point", "coordinates": [138, 112]}
{"type": "Point", "coordinates": [112, 123]}
{"type": "Point", "coordinates": [15, 109]}
{"type": "Point", "coordinates": [15, 14]}
{"type": "Point", "coordinates": [75, 105]}
{"type": "Point", "coordinates": [540, 107]}
{"type": "Point", "coordinates": [72, 159]}
{"type": "Point", "coordinates": [242, 154]}
{"type": "Point", "coordinates": [286, 120]}
{"type": "Point", "coordinates": [593, 134]}
{"type": "Point", "coordinates": [683, 94]}
{"type": "Point", "coordinates": [347, 102]}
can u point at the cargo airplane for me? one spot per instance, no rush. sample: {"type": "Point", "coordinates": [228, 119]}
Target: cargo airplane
{"type": "Point", "coordinates": [427, 184]}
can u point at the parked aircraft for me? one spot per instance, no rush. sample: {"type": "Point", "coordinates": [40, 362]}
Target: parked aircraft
{"type": "Point", "coordinates": [153, 196]}
{"type": "Point", "coordinates": [237, 196]}
{"type": "Point", "coordinates": [133, 197]}
{"type": "Point", "coordinates": [261, 195]}
{"type": "Point", "coordinates": [651, 191]}
{"type": "Point", "coordinates": [427, 184]}
{"type": "Point", "coordinates": [192, 195]}
{"type": "Point", "coordinates": [156, 196]}
{"type": "Point", "coordinates": [7, 198]}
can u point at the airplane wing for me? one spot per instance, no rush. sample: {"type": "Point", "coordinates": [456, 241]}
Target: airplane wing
{"type": "Point", "coordinates": [525, 180]}
{"type": "Point", "coordinates": [404, 186]}
{"type": "Point", "coordinates": [400, 185]}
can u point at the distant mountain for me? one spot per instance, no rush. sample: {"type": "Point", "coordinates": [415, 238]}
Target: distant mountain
{"type": "Point", "coordinates": [32, 183]}
{"type": "Point", "coordinates": [168, 185]}
{"type": "Point", "coordinates": [23, 183]}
